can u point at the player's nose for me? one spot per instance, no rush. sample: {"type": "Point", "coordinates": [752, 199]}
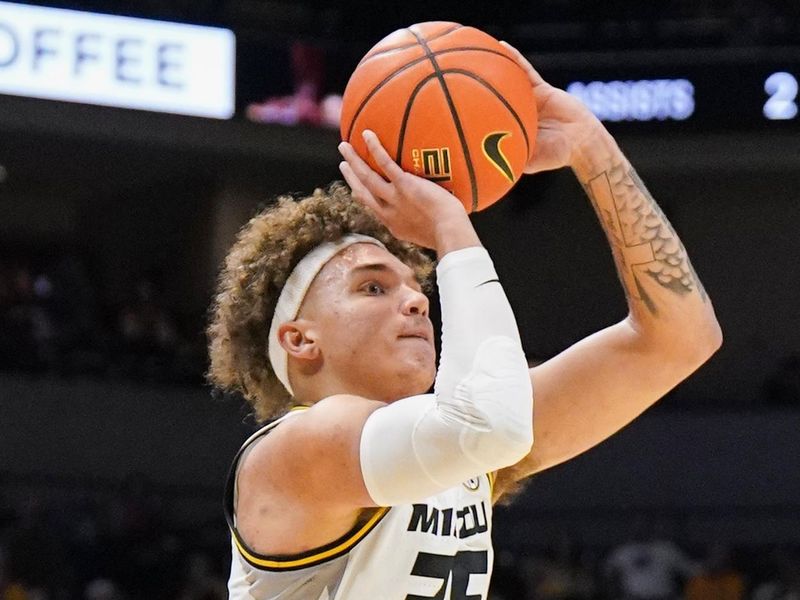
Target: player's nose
{"type": "Point", "coordinates": [415, 303]}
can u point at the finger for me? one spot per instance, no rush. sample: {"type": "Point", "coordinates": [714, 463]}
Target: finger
{"type": "Point", "coordinates": [523, 62]}
{"type": "Point", "coordinates": [359, 191]}
{"type": "Point", "coordinates": [390, 168]}
{"type": "Point", "coordinates": [366, 174]}
{"type": "Point", "coordinates": [357, 187]}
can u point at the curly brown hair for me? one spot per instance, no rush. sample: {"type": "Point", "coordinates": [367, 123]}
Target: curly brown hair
{"type": "Point", "coordinates": [256, 268]}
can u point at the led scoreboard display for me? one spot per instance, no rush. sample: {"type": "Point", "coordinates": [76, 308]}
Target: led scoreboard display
{"type": "Point", "coordinates": [736, 95]}
{"type": "Point", "coordinates": [110, 60]}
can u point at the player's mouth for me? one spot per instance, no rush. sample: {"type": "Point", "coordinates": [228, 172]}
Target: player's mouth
{"type": "Point", "coordinates": [422, 335]}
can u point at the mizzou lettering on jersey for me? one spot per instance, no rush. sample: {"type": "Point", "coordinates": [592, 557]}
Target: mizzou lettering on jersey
{"type": "Point", "coordinates": [469, 520]}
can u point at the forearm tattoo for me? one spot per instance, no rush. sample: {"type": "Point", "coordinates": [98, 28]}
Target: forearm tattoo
{"type": "Point", "coordinates": [642, 240]}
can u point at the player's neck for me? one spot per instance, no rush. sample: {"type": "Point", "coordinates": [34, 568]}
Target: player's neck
{"type": "Point", "coordinates": [312, 385]}
{"type": "Point", "coordinates": [311, 389]}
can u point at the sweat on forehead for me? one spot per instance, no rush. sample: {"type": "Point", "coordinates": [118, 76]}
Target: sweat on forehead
{"type": "Point", "coordinates": [414, 268]}
{"type": "Point", "coordinates": [352, 257]}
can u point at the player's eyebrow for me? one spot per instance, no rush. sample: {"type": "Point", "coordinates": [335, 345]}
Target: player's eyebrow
{"type": "Point", "coordinates": [370, 267]}
{"type": "Point", "coordinates": [381, 267]}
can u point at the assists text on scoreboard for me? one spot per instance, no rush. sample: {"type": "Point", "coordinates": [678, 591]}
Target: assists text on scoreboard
{"type": "Point", "coordinates": [733, 97]}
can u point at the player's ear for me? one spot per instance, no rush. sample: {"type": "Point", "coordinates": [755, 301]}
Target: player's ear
{"type": "Point", "coordinates": [299, 339]}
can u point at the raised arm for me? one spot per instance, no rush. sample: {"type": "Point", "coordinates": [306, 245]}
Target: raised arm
{"type": "Point", "coordinates": [600, 384]}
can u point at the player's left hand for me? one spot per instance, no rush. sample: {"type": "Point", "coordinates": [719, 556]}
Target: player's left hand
{"type": "Point", "coordinates": [411, 207]}
{"type": "Point", "coordinates": [564, 121]}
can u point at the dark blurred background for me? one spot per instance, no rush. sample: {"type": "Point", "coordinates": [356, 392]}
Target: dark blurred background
{"type": "Point", "coordinates": [113, 223]}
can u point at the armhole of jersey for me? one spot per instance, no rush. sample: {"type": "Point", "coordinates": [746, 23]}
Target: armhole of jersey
{"type": "Point", "coordinates": [313, 557]}
{"type": "Point", "coordinates": [310, 558]}
{"type": "Point", "coordinates": [491, 477]}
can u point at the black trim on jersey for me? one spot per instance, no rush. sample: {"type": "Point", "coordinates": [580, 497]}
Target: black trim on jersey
{"type": "Point", "coordinates": [291, 562]}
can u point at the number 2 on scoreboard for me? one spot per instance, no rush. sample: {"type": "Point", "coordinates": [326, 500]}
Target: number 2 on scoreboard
{"type": "Point", "coordinates": [782, 90]}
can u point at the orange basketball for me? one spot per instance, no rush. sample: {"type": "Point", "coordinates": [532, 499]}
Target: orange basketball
{"type": "Point", "coordinates": [448, 103]}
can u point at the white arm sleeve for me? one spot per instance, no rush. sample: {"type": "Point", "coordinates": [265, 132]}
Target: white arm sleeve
{"type": "Point", "coordinates": [480, 417]}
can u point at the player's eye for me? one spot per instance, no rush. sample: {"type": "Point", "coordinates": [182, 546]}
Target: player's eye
{"type": "Point", "coordinates": [374, 288]}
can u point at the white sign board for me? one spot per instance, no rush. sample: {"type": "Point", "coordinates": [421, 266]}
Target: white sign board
{"type": "Point", "coordinates": [116, 61]}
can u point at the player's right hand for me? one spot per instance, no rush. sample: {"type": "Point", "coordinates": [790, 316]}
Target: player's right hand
{"type": "Point", "coordinates": [565, 122]}
{"type": "Point", "coordinates": [411, 207]}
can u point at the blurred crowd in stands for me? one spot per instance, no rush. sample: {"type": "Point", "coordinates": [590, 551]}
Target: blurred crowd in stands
{"type": "Point", "coordinates": [119, 544]}
{"type": "Point", "coordinates": [648, 568]}
{"type": "Point", "coordinates": [129, 544]}
{"type": "Point", "coordinates": [55, 320]}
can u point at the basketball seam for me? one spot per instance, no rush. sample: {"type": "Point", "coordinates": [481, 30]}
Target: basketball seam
{"type": "Point", "coordinates": [375, 91]}
{"type": "Point", "coordinates": [456, 121]}
{"type": "Point", "coordinates": [406, 113]}
{"type": "Point", "coordinates": [398, 48]}
{"type": "Point", "coordinates": [408, 66]}
{"type": "Point", "coordinates": [497, 94]}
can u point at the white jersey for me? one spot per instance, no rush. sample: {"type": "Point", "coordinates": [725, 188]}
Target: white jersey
{"type": "Point", "coordinates": [438, 548]}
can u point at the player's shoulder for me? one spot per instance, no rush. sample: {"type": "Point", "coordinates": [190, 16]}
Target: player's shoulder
{"type": "Point", "coordinates": [310, 434]}
{"type": "Point", "coordinates": [310, 458]}
{"type": "Point", "coordinates": [342, 402]}
{"type": "Point", "coordinates": [329, 415]}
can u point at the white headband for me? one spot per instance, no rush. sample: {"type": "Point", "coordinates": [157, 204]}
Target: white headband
{"type": "Point", "coordinates": [295, 290]}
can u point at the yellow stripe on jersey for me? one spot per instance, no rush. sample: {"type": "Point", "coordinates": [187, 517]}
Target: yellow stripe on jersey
{"type": "Point", "coordinates": [318, 557]}
{"type": "Point", "coordinates": [491, 477]}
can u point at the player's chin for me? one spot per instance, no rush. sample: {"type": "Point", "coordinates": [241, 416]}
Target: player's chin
{"type": "Point", "coordinates": [419, 368]}
{"type": "Point", "coordinates": [417, 351]}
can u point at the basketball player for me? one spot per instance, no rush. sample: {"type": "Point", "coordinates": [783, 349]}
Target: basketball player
{"type": "Point", "coordinates": [372, 488]}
